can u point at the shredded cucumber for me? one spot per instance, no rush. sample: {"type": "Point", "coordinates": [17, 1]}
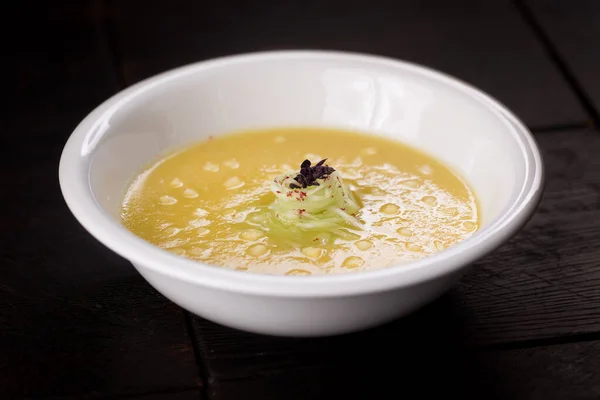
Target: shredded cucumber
{"type": "Point", "coordinates": [313, 207]}
{"type": "Point", "coordinates": [326, 207]}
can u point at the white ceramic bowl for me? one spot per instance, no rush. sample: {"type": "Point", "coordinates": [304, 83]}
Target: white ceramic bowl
{"type": "Point", "coordinates": [465, 128]}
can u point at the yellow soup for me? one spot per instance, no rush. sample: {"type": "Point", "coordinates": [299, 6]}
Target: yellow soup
{"type": "Point", "coordinates": [213, 202]}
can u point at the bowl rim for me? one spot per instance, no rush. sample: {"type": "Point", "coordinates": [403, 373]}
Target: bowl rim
{"type": "Point", "coordinates": [75, 187]}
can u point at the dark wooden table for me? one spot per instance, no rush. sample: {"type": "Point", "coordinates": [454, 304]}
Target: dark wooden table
{"type": "Point", "coordinates": [78, 322]}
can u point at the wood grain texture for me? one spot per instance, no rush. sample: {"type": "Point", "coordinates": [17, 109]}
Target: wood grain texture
{"type": "Point", "coordinates": [75, 320]}
{"type": "Point", "coordinates": [574, 31]}
{"type": "Point", "coordinates": [166, 395]}
{"type": "Point", "coordinates": [60, 69]}
{"type": "Point", "coordinates": [562, 372]}
{"type": "Point", "coordinates": [485, 43]}
{"type": "Point", "coordinates": [545, 282]}
{"type": "Point", "coordinates": [542, 284]}
{"type": "Point", "coordinates": [184, 395]}
{"type": "Point", "coordinates": [233, 355]}
{"type": "Point", "coordinates": [78, 320]}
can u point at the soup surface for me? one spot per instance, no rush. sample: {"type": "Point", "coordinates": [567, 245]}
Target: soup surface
{"type": "Point", "coordinates": [223, 202]}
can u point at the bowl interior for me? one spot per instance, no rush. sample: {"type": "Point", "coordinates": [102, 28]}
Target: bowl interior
{"type": "Point", "coordinates": [437, 115]}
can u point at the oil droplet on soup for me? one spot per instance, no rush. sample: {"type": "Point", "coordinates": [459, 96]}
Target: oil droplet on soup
{"type": "Point", "coordinates": [204, 202]}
